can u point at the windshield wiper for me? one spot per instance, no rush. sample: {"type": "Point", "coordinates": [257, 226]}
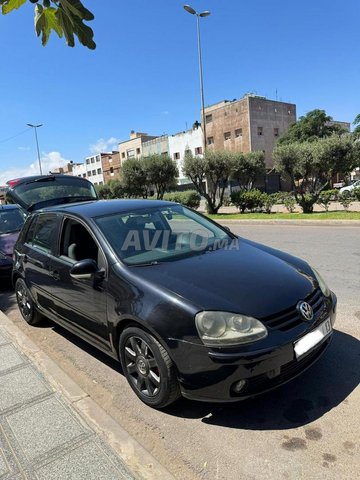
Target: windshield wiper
{"type": "Point", "coordinates": [145, 264]}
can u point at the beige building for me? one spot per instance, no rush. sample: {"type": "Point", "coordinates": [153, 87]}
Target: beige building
{"type": "Point", "coordinates": [134, 147]}
{"type": "Point", "coordinates": [250, 124]}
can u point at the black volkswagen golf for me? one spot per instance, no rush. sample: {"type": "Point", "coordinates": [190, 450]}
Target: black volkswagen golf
{"type": "Point", "coordinates": [187, 307]}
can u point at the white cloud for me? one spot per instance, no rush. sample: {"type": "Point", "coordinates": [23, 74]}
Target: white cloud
{"type": "Point", "coordinates": [49, 162]}
{"type": "Point", "coordinates": [26, 149]}
{"type": "Point", "coordinates": [102, 145]}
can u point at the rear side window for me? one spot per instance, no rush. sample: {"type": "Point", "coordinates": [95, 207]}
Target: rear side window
{"type": "Point", "coordinates": [43, 232]}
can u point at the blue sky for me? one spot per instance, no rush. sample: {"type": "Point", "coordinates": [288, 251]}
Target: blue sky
{"type": "Point", "coordinates": [144, 73]}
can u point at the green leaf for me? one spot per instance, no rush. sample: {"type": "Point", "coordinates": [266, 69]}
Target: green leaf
{"type": "Point", "coordinates": [66, 26]}
{"type": "Point", "coordinates": [45, 22]}
{"type": "Point", "coordinates": [75, 7]}
{"type": "Point", "coordinates": [11, 5]}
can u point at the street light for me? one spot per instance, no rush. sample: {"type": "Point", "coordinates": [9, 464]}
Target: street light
{"type": "Point", "coordinates": [37, 142]}
{"type": "Point", "coordinates": [206, 13]}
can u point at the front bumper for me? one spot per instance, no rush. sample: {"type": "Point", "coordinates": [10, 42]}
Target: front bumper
{"type": "Point", "coordinates": [211, 374]}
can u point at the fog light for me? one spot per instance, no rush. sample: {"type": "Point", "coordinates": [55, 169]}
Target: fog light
{"type": "Point", "coordinates": [238, 386]}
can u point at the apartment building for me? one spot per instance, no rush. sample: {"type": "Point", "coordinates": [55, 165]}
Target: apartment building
{"type": "Point", "coordinates": [180, 143]}
{"type": "Point", "coordinates": [252, 123]}
{"type": "Point", "coordinates": [111, 165]}
{"type": "Point", "coordinates": [133, 147]}
{"type": "Point", "coordinates": [94, 171]}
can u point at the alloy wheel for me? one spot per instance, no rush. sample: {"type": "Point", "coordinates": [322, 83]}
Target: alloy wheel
{"type": "Point", "coordinates": [24, 301]}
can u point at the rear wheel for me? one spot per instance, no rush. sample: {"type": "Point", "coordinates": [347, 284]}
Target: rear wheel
{"type": "Point", "coordinates": [148, 368]}
{"type": "Point", "coordinates": [25, 303]}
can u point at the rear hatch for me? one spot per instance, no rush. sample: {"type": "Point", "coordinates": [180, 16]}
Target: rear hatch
{"type": "Point", "coordinates": [33, 193]}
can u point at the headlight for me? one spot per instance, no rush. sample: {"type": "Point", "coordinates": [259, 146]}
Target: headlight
{"type": "Point", "coordinates": [324, 288]}
{"type": "Point", "coordinates": [225, 328]}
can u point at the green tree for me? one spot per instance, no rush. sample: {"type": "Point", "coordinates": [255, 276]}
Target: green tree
{"type": "Point", "coordinates": [134, 179]}
{"type": "Point", "coordinates": [356, 122]}
{"type": "Point", "coordinates": [315, 124]}
{"type": "Point", "coordinates": [161, 173]}
{"type": "Point", "coordinates": [210, 175]}
{"type": "Point", "coordinates": [247, 167]}
{"type": "Point", "coordinates": [311, 165]}
{"type": "Point", "coordinates": [65, 17]}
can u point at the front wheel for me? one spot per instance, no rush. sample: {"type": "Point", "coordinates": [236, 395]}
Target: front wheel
{"type": "Point", "coordinates": [25, 303]}
{"type": "Point", "coordinates": [148, 368]}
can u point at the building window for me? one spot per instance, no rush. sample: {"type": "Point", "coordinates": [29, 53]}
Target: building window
{"type": "Point", "coordinates": [276, 132]}
{"type": "Point", "coordinates": [99, 171]}
{"type": "Point", "coordinates": [177, 156]}
{"type": "Point", "coordinates": [164, 153]}
{"type": "Point", "coordinates": [227, 136]}
{"type": "Point", "coordinates": [130, 153]}
{"type": "Point", "coordinates": [122, 154]}
{"type": "Point", "coordinates": [89, 174]}
{"type": "Point", "coordinates": [95, 183]}
{"type": "Point", "coordinates": [101, 183]}
{"type": "Point", "coordinates": [210, 140]}
{"type": "Point", "coordinates": [94, 172]}
{"type": "Point", "coordinates": [289, 112]}
{"type": "Point", "coordinates": [88, 161]}
{"type": "Point", "coordinates": [111, 170]}
{"type": "Point", "coordinates": [98, 158]}
{"type": "Point", "coordinates": [138, 151]}
{"type": "Point", "coordinates": [84, 175]}
{"type": "Point", "coordinates": [208, 118]}
{"type": "Point", "coordinates": [238, 132]}
{"type": "Point", "coordinates": [260, 130]}
{"type": "Point", "coordinates": [198, 151]}
{"type": "Point", "coordinates": [93, 160]}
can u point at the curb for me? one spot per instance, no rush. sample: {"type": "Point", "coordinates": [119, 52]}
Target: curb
{"type": "Point", "coordinates": [140, 462]}
{"type": "Point", "coordinates": [316, 223]}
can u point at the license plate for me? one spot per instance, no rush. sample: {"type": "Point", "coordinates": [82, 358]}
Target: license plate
{"type": "Point", "coordinates": [310, 340]}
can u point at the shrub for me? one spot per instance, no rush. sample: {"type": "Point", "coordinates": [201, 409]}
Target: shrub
{"type": "Point", "coordinates": [248, 200]}
{"type": "Point", "coordinates": [269, 201]}
{"type": "Point", "coordinates": [325, 197]}
{"type": "Point", "coordinates": [189, 198]}
{"type": "Point", "coordinates": [356, 194]}
{"type": "Point", "coordinates": [289, 201]}
{"type": "Point", "coordinates": [345, 201]}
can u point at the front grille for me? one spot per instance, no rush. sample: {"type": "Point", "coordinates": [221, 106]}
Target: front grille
{"type": "Point", "coordinates": [290, 318]}
{"type": "Point", "coordinates": [288, 371]}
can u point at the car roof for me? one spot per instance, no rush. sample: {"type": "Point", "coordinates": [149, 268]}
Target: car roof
{"type": "Point", "coordinates": [97, 208]}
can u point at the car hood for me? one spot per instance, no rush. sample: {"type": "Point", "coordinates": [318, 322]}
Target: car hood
{"type": "Point", "coordinates": [7, 242]}
{"type": "Point", "coordinates": [253, 280]}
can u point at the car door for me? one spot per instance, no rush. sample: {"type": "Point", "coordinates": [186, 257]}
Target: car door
{"type": "Point", "coordinates": [80, 303]}
{"type": "Point", "coordinates": [39, 246]}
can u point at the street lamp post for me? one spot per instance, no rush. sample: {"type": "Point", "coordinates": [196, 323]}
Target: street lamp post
{"type": "Point", "coordinates": [37, 142]}
{"type": "Point", "coordinates": [206, 13]}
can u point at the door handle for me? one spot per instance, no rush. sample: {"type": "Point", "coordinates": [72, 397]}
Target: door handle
{"type": "Point", "coordinates": [55, 274]}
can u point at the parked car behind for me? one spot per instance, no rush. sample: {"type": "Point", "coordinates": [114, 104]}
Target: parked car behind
{"type": "Point", "coordinates": [349, 188]}
{"type": "Point", "coordinates": [11, 222]}
{"type": "Point", "coordinates": [187, 307]}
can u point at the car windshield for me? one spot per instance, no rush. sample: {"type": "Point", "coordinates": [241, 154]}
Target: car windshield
{"type": "Point", "coordinates": [155, 235]}
{"type": "Point", "coordinates": [11, 220]}
{"type": "Point", "coordinates": [54, 190]}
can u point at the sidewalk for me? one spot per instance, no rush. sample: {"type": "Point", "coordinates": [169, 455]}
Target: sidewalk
{"type": "Point", "coordinates": [51, 430]}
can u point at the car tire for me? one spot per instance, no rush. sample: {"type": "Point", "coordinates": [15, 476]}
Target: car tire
{"type": "Point", "coordinates": [25, 303]}
{"type": "Point", "coordinates": [148, 368]}
{"type": "Point", "coordinates": [346, 193]}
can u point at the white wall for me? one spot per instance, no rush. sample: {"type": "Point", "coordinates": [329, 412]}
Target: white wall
{"type": "Point", "coordinates": [94, 164]}
{"type": "Point", "coordinates": [178, 143]}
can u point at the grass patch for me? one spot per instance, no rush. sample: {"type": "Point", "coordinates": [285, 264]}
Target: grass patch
{"type": "Point", "coordinates": [338, 215]}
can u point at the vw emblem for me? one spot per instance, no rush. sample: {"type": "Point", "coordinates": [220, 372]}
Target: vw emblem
{"type": "Point", "coordinates": [305, 311]}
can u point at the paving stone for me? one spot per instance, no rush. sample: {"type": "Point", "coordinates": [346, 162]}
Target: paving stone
{"type": "Point", "coordinates": [19, 387]}
{"type": "Point", "coordinates": [9, 358]}
{"type": "Point", "coordinates": [3, 339]}
{"type": "Point", "coordinates": [88, 462]}
{"type": "Point", "coordinates": [45, 427]}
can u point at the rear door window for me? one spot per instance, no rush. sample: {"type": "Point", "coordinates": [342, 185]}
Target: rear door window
{"type": "Point", "coordinates": [42, 233]}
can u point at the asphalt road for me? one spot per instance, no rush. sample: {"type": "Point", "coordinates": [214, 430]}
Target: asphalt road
{"type": "Point", "coordinates": [308, 428]}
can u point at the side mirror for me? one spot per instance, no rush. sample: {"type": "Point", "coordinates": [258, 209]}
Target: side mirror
{"type": "Point", "coordinates": [226, 228]}
{"type": "Point", "coordinates": [84, 269]}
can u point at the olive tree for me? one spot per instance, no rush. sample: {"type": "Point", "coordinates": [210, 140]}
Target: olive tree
{"type": "Point", "coordinates": [311, 165]}
{"type": "Point", "coordinates": [247, 167]}
{"type": "Point", "coordinates": [161, 172]}
{"type": "Point", "coordinates": [133, 178]}
{"type": "Point", "coordinates": [210, 175]}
